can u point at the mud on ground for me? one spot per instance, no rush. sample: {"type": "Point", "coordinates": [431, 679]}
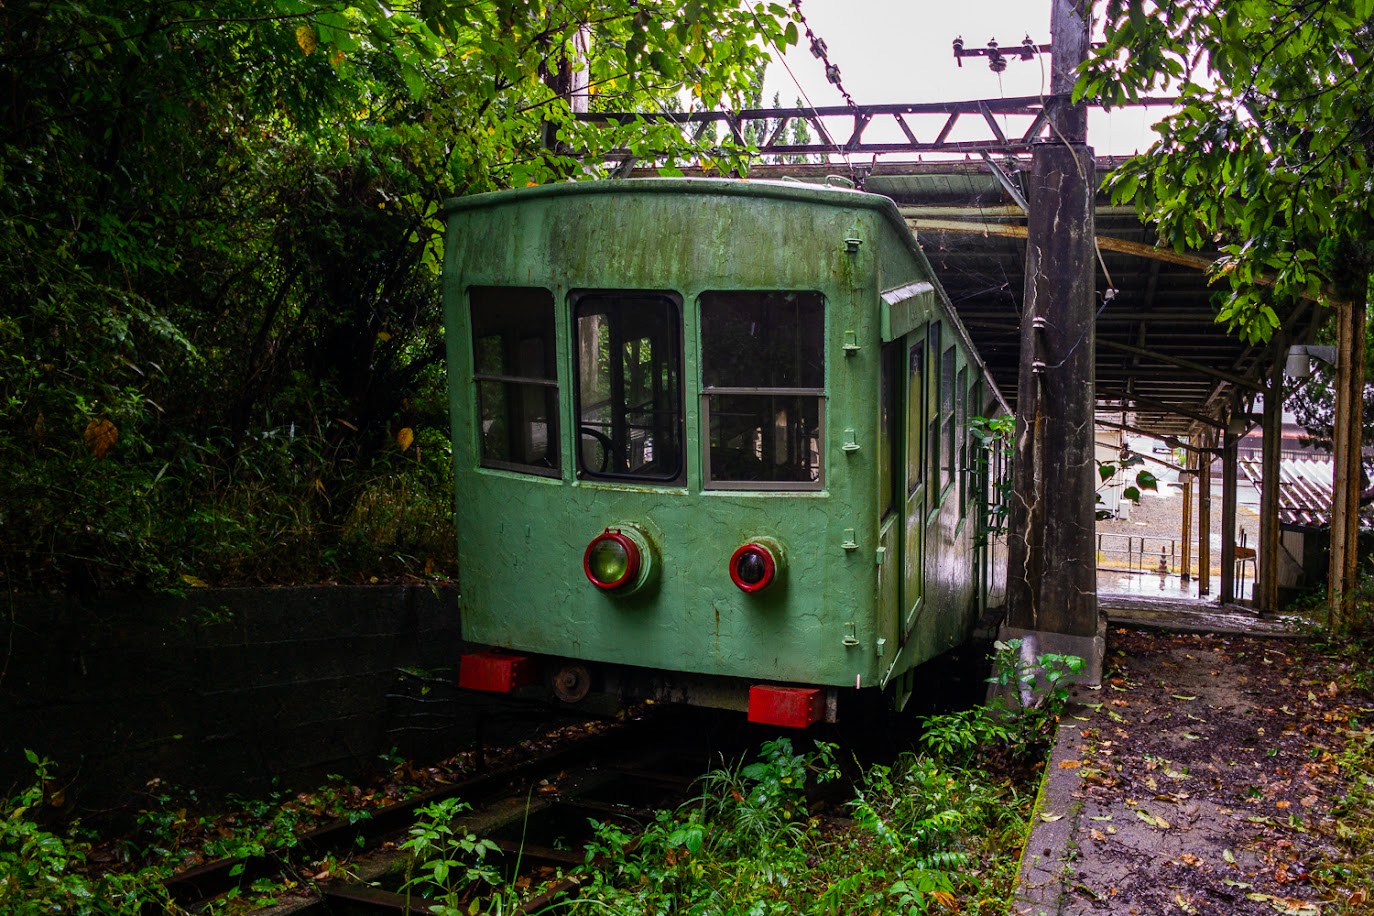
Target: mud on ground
{"type": "Point", "coordinates": [1209, 770]}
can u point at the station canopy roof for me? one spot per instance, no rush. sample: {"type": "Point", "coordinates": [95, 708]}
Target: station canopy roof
{"type": "Point", "coordinates": [1164, 367]}
{"type": "Point", "coordinates": [1163, 364]}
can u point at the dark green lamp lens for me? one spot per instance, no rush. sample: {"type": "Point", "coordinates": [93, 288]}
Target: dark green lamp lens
{"type": "Point", "coordinates": [612, 561]}
{"type": "Point", "coordinates": [608, 562]}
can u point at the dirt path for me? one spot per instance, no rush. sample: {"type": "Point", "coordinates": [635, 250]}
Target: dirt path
{"type": "Point", "coordinates": [1199, 779]}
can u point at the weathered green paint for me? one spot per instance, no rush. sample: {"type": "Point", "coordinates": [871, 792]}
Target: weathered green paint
{"type": "Point", "coordinates": [521, 537]}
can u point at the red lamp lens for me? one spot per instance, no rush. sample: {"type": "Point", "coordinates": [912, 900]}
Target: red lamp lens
{"type": "Point", "coordinates": [611, 561]}
{"type": "Point", "coordinates": [752, 567]}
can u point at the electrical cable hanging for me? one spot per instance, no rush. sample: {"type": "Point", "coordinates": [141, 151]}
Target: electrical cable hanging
{"type": "Point", "coordinates": [832, 75]}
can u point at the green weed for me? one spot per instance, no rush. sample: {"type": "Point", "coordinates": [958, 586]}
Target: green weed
{"type": "Point", "coordinates": [448, 865]}
{"type": "Point", "coordinates": [922, 835]}
{"type": "Point", "coordinates": [42, 870]}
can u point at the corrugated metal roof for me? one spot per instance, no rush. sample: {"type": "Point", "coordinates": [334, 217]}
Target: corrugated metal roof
{"type": "Point", "coordinates": [1305, 492]}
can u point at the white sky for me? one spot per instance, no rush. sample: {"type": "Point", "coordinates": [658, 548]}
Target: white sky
{"type": "Point", "coordinates": [901, 51]}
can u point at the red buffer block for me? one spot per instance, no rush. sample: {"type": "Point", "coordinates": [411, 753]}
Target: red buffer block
{"type": "Point", "coordinates": [495, 672]}
{"type": "Point", "coordinates": [793, 707]}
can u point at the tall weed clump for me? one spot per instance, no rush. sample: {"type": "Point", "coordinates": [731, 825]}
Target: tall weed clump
{"type": "Point", "coordinates": [42, 870]}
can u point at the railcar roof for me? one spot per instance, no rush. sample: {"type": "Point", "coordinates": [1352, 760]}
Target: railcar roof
{"type": "Point", "coordinates": [829, 195]}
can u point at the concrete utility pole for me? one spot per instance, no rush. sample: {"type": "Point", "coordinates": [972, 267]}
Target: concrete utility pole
{"type": "Point", "coordinates": [1051, 574]}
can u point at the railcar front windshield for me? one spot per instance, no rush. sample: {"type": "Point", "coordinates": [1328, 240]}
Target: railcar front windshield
{"type": "Point", "coordinates": [515, 370]}
{"type": "Point", "coordinates": [629, 386]}
{"type": "Point", "coordinates": [763, 389]}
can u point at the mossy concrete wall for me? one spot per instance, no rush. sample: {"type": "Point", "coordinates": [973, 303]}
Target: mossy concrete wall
{"type": "Point", "coordinates": [226, 690]}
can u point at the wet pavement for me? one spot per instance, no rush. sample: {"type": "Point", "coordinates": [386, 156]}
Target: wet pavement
{"type": "Point", "coordinates": [1112, 582]}
{"type": "Point", "coordinates": [1103, 845]}
{"type": "Point", "coordinates": [1185, 615]}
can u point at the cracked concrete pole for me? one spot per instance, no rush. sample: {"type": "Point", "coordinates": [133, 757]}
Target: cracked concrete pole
{"type": "Point", "coordinates": [1051, 574]}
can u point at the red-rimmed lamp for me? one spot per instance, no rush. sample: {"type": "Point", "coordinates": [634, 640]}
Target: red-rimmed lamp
{"type": "Point", "coordinates": [754, 566]}
{"type": "Point", "coordinates": [612, 560]}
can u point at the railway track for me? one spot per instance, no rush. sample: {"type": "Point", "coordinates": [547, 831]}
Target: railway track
{"type": "Point", "coordinates": [534, 816]}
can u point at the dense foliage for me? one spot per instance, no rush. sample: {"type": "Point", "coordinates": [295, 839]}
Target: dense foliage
{"type": "Point", "coordinates": [1269, 152]}
{"type": "Point", "coordinates": [221, 350]}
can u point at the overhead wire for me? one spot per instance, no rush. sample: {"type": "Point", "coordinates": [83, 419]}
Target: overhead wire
{"type": "Point", "coordinates": [832, 75]}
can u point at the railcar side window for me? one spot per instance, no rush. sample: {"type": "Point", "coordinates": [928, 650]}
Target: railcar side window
{"type": "Point", "coordinates": [947, 414]}
{"type": "Point", "coordinates": [934, 403]}
{"type": "Point", "coordinates": [515, 370]}
{"type": "Point", "coordinates": [629, 385]}
{"type": "Point", "coordinates": [889, 409]}
{"type": "Point", "coordinates": [763, 389]}
{"type": "Point", "coordinates": [973, 454]}
{"type": "Point", "coordinates": [915, 452]}
{"type": "Point", "coordinates": [962, 434]}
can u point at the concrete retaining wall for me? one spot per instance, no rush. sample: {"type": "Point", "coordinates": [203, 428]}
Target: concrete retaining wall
{"type": "Point", "coordinates": [226, 690]}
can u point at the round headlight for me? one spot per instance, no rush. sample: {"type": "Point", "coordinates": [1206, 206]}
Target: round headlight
{"type": "Point", "coordinates": [753, 567]}
{"type": "Point", "coordinates": [612, 560]}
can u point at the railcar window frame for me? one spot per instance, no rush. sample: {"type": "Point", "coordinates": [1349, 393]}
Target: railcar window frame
{"type": "Point", "coordinates": [503, 320]}
{"type": "Point", "coordinates": [667, 359]}
{"type": "Point", "coordinates": [961, 393]}
{"type": "Point", "coordinates": [810, 338]}
{"type": "Point", "coordinates": [934, 424]}
{"type": "Point", "coordinates": [948, 418]}
{"type": "Point", "coordinates": [890, 453]}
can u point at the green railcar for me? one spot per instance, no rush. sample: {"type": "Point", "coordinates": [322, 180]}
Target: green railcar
{"type": "Point", "coordinates": [712, 445]}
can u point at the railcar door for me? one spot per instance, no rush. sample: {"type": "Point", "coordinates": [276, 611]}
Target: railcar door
{"type": "Point", "coordinates": [915, 481]}
{"type": "Point", "coordinates": [904, 482]}
{"type": "Point", "coordinates": [907, 390]}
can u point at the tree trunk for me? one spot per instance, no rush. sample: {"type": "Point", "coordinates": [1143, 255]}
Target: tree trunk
{"type": "Point", "coordinates": [1347, 445]}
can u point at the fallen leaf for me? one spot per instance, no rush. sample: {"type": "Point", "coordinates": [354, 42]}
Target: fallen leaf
{"type": "Point", "coordinates": [1050, 818]}
{"type": "Point", "coordinates": [1070, 764]}
{"type": "Point", "coordinates": [1152, 820]}
{"type": "Point", "coordinates": [1289, 906]}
